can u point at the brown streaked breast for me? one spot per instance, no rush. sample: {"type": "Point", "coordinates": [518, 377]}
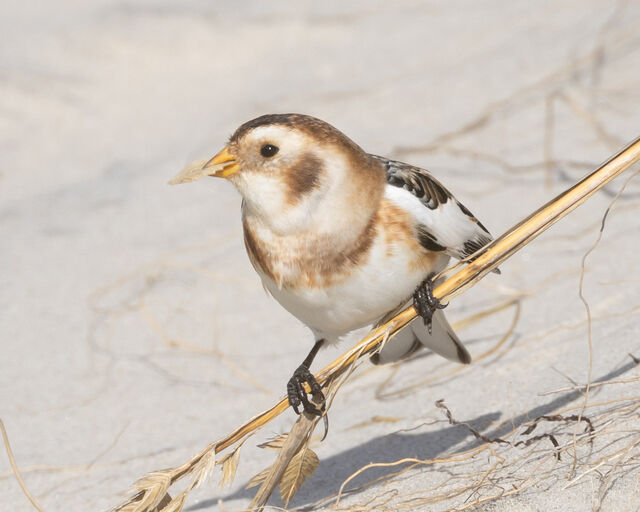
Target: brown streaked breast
{"type": "Point", "coordinates": [256, 251]}
{"type": "Point", "coordinates": [308, 261]}
{"type": "Point", "coordinates": [321, 264]}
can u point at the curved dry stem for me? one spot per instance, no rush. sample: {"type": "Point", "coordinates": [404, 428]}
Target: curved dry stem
{"type": "Point", "coordinates": [16, 471]}
{"type": "Point", "coordinates": [480, 264]}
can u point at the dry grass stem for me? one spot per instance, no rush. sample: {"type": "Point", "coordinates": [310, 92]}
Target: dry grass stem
{"type": "Point", "coordinates": [16, 471]}
{"type": "Point", "coordinates": [151, 490]}
{"type": "Point", "coordinates": [284, 471]}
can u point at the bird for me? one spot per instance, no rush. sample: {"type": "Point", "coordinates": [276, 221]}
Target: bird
{"type": "Point", "coordinates": [342, 238]}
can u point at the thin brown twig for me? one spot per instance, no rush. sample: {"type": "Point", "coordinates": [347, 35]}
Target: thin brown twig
{"type": "Point", "coordinates": [412, 460]}
{"type": "Point", "coordinates": [593, 385]}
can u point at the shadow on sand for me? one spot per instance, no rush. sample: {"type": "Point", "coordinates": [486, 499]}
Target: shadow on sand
{"type": "Point", "coordinates": [388, 448]}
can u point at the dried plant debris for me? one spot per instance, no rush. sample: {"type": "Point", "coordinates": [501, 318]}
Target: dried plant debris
{"type": "Point", "coordinates": [229, 466]}
{"type": "Point", "coordinates": [258, 479]}
{"type": "Point", "coordinates": [607, 448]}
{"type": "Point", "coordinates": [476, 434]}
{"type": "Point", "coordinates": [558, 417]}
{"type": "Point", "coordinates": [552, 418]}
{"type": "Point", "coordinates": [150, 493]}
{"type": "Point", "coordinates": [551, 438]}
{"type": "Point", "coordinates": [295, 463]}
{"type": "Point", "coordinates": [301, 467]}
{"type": "Point", "coordinates": [275, 443]}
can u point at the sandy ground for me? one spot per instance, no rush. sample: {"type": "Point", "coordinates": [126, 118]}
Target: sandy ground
{"type": "Point", "coordinates": [133, 330]}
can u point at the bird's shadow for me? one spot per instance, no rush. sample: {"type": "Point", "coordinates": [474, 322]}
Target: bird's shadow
{"type": "Point", "coordinates": [334, 470]}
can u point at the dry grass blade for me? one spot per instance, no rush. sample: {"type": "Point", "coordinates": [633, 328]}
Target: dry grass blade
{"type": "Point", "coordinates": [129, 506]}
{"type": "Point", "coordinates": [259, 478]}
{"type": "Point", "coordinates": [150, 492]}
{"type": "Point", "coordinates": [204, 467]}
{"type": "Point", "coordinates": [460, 278]}
{"type": "Point", "coordinates": [301, 467]}
{"type": "Point", "coordinates": [296, 441]}
{"type": "Point", "coordinates": [155, 486]}
{"type": "Point", "coordinates": [275, 443]}
{"type": "Point", "coordinates": [175, 504]}
{"type": "Point", "coordinates": [230, 466]}
{"type": "Point", "coordinates": [191, 172]}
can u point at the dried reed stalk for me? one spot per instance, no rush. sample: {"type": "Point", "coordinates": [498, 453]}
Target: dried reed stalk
{"type": "Point", "coordinates": [465, 276]}
{"type": "Point", "coordinates": [294, 442]}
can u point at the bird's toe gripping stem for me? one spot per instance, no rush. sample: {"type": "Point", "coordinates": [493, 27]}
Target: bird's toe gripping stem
{"type": "Point", "coordinates": [424, 301]}
{"type": "Point", "coordinates": [298, 395]}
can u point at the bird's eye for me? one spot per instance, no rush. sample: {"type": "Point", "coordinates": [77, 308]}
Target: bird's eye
{"type": "Point", "coordinates": [268, 150]}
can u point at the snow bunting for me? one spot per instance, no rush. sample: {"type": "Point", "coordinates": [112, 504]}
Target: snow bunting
{"type": "Point", "coordinates": [342, 238]}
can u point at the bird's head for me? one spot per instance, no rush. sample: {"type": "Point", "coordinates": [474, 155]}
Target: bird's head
{"type": "Point", "coordinates": [292, 170]}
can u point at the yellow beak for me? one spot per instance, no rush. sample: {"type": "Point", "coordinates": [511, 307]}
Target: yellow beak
{"type": "Point", "coordinates": [222, 165]}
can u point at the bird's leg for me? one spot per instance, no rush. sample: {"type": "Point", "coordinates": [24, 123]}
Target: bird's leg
{"type": "Point", "coordinates": [295, 387]}
{"type": "Point", "coordinates": [424, 301]}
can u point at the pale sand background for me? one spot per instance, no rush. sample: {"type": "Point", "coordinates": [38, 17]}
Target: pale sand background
{"type": "Point", "coordinates": [130, 317]}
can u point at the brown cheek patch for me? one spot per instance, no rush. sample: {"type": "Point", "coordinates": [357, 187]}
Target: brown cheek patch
{"type": "Point", "coordinates": [303, 177]}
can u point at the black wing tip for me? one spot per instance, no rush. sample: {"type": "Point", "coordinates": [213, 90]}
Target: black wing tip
{"type": "Point", "coordinates": [463, 354]}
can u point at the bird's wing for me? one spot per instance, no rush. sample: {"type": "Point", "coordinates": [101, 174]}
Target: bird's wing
{"type": "Point", "coordinates": [444, 224]}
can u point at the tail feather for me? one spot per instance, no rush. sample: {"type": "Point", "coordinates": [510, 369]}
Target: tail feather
{"type": "Point", "coordinates": [401, 346]}
{"type": "Point", "coordinates": [442, 340]}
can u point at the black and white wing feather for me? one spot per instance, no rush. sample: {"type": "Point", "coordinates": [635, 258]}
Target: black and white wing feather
{"type": "Point", "coordinates": [444, 224]}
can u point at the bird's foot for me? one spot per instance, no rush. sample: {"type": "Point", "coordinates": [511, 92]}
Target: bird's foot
{"type": "Point", "coordinates": [298, 395]}
{"type": "Point", "coordinates": [424, 301]}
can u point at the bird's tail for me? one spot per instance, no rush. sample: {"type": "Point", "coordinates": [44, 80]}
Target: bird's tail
{"type": "Point", "coordinates": [442, 340]}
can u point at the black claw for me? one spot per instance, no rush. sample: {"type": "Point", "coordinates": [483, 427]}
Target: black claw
{"type": "Point", "coordinates": [297, 394]}
{"type": "Point", "coordinates": [325, 419]}
{"type": "Point", "coordinates": [424, 301]}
